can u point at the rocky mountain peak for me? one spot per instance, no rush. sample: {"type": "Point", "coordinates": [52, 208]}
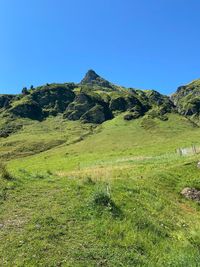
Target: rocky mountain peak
{"type": "Point", "coordinates": [92, 78]}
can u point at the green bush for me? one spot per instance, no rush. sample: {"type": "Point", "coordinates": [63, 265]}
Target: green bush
{"type": "Point", "coordinates": [4, 173]}
{"type": "Point", "coordinates": [88, 180]}
{"type": "Point", "coordinates": [102, 200]}
{"type": "Point", "coordinates": [9, 128]}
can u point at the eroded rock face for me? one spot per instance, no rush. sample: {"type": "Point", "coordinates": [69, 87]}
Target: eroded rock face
{"type": "Point", "coordinates": [81, 104]}
{"type": "Point", "coordinates": [191, 193]}
{"type": "Point", "coordinates": [94, 115]}
{"type": "Point", "coordinates": [131, 116]}
{"type": "Point", "coordinates": [5, 100]}
{"type": "Point", "coordinates": [55, 98]}
{"type": "Point", "coordinates": [187, 100]}
{"type": "Point", "coordinates": [28, 109]}
{"type": "Point", "coordinates": [94, 79]}
{"type": "Point", "coordinates": [93, 100]}
{"type": "Point", "coordinates": [9, 128]}
{"type": "Point", "coordinates": [88, 109]}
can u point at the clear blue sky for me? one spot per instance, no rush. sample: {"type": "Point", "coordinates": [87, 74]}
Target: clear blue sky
{"type": "Point", "coordinates": [136, 43]}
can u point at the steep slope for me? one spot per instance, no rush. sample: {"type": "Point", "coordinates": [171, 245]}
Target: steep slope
{"type": "Point", "coordinates": [114, 139]}
{"type": "Point", "coordinates": [92, 78]}
{"type": "Point", "coordinates": [187, 100]}
{"type": "Point", "coordinates": [94, 100]}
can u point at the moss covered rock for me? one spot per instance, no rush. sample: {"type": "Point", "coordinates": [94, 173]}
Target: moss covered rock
{"type": "Point", "coordinates": [27, 108]}
{"type": "Point", "coordinates": [81, 104]}
{"type": "Point", "coordinates": [91, 78]}
{"type": "Point", "coordinates": [132, 116]}
{"type": "Point", "coordinates": [5, 101]}
{"type": "Point", "coordinates": [85, 106]}
{"type": "Point", "coordinates": [187, 100]}
{"type": "Point", "coordinates": [94, 115]}
{"type": "Point", "coordinates": [54, 98]}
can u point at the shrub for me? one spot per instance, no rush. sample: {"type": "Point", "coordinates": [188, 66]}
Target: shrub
{"type": "Point", "coordinates": [25, 91]}
{"type": "Point", "coordinates": [3, 194]}
{"type": "Point", "coordinates": [49, 172]}
{"type": "Point", "coordinates": [102, 199]}
{"type": "Point", "coordinates": [88, 180]}
{"type": "Point", "coordinates": [4, 173]}
{"type": "Point", "coordinates": [9, 128]}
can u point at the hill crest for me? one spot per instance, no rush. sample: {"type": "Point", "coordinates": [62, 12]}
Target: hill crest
{"type": "Point", "coordinates": [95, 100]}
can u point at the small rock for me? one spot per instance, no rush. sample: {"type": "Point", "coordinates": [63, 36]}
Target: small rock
{"type": "Point", "coordinates": [198, 165]}
{"type": "Point", "coordinates": [191, 193]}
{"type": "Point", "coordinates": [128, 117]}
{"type": "Point", "coordinates": [131, 116]}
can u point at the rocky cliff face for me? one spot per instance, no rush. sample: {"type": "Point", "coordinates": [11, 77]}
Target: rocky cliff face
{"type": "Point", "coordinates": [5, 100]}
{"type": "Point", "coordinates": [91, 78]}
{"type": "Point", "coordinates": [94, 100]}
{"type": "Point", "coordinates": [187, 100]}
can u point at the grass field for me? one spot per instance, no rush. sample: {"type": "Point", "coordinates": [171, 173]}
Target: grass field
{"type": "Point", "coordinates": [100, 196]}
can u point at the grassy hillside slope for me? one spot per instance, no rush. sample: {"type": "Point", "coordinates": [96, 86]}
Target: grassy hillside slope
{"type": "Point", "coordinates": [100, 196]}
{"type": "Point", "coordinates": [116, 139]}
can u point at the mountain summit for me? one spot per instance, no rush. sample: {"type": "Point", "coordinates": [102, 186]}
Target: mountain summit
{"type": "Point", "coordinates": [93, 78]}
{"type": "Point", "coordinates": [95, 100]}
{"type": "Point", "coordinates": [90, 77]}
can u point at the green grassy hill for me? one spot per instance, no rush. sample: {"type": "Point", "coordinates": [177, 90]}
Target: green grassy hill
{"type": "Point", "coordinates": [76, 193]}
{"type": "Point", "coordinates": [100, 196]}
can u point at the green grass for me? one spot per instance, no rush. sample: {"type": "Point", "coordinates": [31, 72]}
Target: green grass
{"type": "Point", "coordinates": [36, 137]}
{"type": "Point", "coordinates": [114, 141]}
{"type": "Point", "coordinates": [108, 196]}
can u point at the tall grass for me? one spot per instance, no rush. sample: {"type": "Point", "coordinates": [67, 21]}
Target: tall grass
{"type": "Point", "coordinates": [4, 173]}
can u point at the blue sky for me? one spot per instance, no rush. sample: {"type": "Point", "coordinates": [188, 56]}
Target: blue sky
{"type": "Point", "coordinates": [136, 43]}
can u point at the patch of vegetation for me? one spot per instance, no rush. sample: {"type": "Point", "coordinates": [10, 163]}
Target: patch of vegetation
{"type": "Point", "coordinates": [4, 173]}
{"type": "Point", "coordinates": [148, 123]}
{"type": "Point", "coordinates": [27, 108]}
{"type": "Point", "coordinates": [187, 100]}
{"type": "Point", "coordinates": [6, 100]}
{"type": "Point", "coordinates": [101, 200]}
{"type": "Point", "coordinates": [9, 128]}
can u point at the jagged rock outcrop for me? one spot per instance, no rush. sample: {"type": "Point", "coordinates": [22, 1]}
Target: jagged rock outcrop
{"type": "Point", "coordinates": [81, 104]}
{"type": "Point", "coordinates": [94, 100]}
{"type": "Point", "coordinates": [187, 100]}
{"type": "Point", "coordinates": [5, 100]}
{"type": "Point", "coordinates": [43, 101]}
{"type": "Point", "coordinates": [91, 78]}
{"type": "Point", "coordinates": [54, 99]}
{"type": "Point", "coordinates": [27, 109]}
{"type": "Point", "coordinates": [86, 107]}
{"type": "Point", "coordinates": [96, 115]}
{"type": "Point", "coordinates": [132, 116]}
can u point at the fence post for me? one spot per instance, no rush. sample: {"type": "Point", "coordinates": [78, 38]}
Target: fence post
{"type": "Point", "coordinates": [194, 149]}
{"type": "Point", "coordinates": [180, 151]}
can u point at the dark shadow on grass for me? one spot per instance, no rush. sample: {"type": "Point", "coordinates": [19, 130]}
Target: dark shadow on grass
{"type": "Point", "coordinates": [102, 201]}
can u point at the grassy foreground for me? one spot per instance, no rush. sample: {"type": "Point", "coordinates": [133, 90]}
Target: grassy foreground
{"type": "Point", "coordinates": [105, 196]}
